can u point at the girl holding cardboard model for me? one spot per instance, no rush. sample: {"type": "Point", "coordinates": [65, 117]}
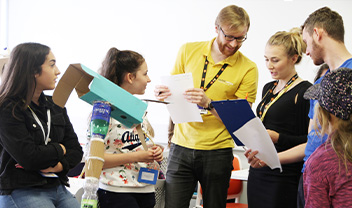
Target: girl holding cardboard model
{"type": "Point", "coordinates": [38, 145]}
{"type": "Point", "coordinates": [124, 155]}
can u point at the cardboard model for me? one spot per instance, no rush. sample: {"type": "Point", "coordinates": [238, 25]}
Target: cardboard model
{"type": "Point", "coordinates": [91, 86]}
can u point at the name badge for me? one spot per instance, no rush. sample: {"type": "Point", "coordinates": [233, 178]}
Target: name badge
{"type": "Point", "coordinates": [49, 175]}
{"type": "Point", "coordinates": [202, 111]}
{"type": "Point", "coordinates": [147, 175]}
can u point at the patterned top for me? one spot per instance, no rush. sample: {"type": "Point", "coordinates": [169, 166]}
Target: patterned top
{"type": "Point", "coordinates": [123, 178]}
{"type": "Point", "coordinates": [326, 181]}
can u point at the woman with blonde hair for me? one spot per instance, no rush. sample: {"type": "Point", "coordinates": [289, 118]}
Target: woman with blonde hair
{"type": "Point", "coordinates": [283, 111]}
{"type": "Point", "coordinates": [327, 177]}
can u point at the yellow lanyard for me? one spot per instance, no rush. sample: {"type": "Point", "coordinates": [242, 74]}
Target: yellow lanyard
{"type": "Point", "coordinates": [278, 96]}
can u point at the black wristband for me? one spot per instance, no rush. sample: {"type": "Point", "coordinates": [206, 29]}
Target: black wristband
{"type": "Point", "coordinates": [210, 107]}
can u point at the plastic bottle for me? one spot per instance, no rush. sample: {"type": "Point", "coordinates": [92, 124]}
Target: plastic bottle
{"type": "Point", "coordinates": [89, 197]}
{"type": "Point", "coordinates": [100, 119]}
{"type": "Point", "coordinates": [99, 126]}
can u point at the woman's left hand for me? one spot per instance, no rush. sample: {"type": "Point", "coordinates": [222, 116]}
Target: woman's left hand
{"type": "Point", "coordinates": [273, 135]}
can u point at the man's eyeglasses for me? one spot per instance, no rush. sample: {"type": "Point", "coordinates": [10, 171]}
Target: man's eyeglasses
{"type": "Point", "coordinates": [231, 38]}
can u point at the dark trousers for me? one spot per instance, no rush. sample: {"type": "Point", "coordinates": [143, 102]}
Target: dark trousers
{"type": "Point", "coordinates": [109, 199]}
{"type": "Point", "coordinates": [300, 195]}
{"type": "Point", "coordinates": [212, 168]}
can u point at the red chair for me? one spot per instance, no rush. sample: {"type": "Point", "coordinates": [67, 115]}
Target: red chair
{"type": "Point", "coordinates": [234, 191]}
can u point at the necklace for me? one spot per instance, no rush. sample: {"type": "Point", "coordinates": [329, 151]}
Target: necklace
{"type": "Point", "coordinates": [265, 104]}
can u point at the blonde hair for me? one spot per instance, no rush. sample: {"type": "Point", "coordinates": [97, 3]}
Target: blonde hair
{"type": "Point", "coordinates": [292, 41]}
{"type": "Point", "coordinates": [233, 17]}
{"type": "Point", "coordinates": [340, 133]}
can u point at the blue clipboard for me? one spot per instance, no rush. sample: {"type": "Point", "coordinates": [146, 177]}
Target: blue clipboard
{"type": "Point", "coordinates": [234, 114]}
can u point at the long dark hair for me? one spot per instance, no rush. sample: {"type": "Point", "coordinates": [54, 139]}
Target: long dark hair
{"type": "Point", "coordinates": [117, 63]}
{"type": "Point", "coordinates": [18, 79]}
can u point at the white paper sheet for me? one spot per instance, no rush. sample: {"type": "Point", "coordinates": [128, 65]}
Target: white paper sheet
{"type": "Point", "coordinates": [255, 137]}
{"type": "Point", "coordinates": [180, 109]}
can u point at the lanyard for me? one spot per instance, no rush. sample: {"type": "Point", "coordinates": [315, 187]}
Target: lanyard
{"type": "Point", "coordinates": [273, 100]}
{"type": "Point", "coordinates": [142, 136]}
{"type": "Point", "coordinates": [215, 77]}
{"type": "Point", "coordinates": [46, 138]}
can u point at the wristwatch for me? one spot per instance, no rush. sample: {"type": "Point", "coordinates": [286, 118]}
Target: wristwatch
{"type": "Point", "coordinates": [210, 107]}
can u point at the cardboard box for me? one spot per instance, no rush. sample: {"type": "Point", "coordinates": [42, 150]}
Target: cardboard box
{"type": "Point", "coordinates": [91, 86]}
{"type": "Point", "coordinates": [3, 61]}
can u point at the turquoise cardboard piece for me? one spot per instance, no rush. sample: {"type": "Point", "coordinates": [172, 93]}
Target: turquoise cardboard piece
{"type": "Point", "coordinates": [91, 86]}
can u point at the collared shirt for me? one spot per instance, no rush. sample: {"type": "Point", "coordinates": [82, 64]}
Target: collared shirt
{"type": "Point", "coordinates": [239, 78]}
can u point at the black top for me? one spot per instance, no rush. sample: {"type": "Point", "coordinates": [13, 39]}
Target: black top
{"type": "Point", "coordinates": [287, 117]}
{"type": "Point", "coordinates": [23, 152]}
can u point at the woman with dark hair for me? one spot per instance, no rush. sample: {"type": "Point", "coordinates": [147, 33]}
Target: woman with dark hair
{"type": "Point", "coordinates": [124, 155]}
{"type": "Point", "coordinates": [38, 145]}
{"type": "Point", "coordinates": [321, 72]}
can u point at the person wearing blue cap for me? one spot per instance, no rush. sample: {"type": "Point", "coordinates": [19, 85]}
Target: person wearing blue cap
{"type": "Point", "coordinates": [327, 176]}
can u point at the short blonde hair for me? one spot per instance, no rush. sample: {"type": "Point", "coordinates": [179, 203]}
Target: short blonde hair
{"type": "Point", "coordinates": [233, 17]}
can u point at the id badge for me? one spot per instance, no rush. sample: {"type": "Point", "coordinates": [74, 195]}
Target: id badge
{"type": "Point", "coordinates": [202, 111]}
{"type": "Point", "coordinates": [147, 175]}
{"type": "Point", "coordinates": [49, 175]}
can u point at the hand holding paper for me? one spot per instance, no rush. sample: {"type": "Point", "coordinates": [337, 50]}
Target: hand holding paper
{"type": "Point", "coordinates": [247, 129]}
{"type": "Point", "coordinates": [180, 109]}
{"type": "Point", "coordinates": [254, 135]}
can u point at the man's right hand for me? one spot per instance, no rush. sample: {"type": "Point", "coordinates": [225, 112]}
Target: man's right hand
{"type": "Point", "coordinates": [161, 92]}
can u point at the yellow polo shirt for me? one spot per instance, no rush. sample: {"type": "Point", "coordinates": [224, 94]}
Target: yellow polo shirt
{"type": "Point", "coordinates": [239, 78]}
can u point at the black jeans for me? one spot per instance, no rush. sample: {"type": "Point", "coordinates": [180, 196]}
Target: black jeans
{"type": "Point", "coordinates": [212, 168]}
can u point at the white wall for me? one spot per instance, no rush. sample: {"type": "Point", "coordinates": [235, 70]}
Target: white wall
{"type": "Point", "coordinates": [81, 31]}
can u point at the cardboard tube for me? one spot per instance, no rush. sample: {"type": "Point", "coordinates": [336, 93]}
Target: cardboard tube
{"type": "Point", "coordinates": [95, 161]}
{"type": "Point", "coordinates": [94, 167]}
{"type": "Point", "coordinates": [97, 148]}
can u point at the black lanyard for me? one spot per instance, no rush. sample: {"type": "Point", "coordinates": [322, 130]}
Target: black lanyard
{"type": "Point", "coordinates": [212, 80]}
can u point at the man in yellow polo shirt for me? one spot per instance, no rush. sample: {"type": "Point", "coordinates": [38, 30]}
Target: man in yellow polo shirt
{"type": "Point", "coordinates": [203, 151]}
